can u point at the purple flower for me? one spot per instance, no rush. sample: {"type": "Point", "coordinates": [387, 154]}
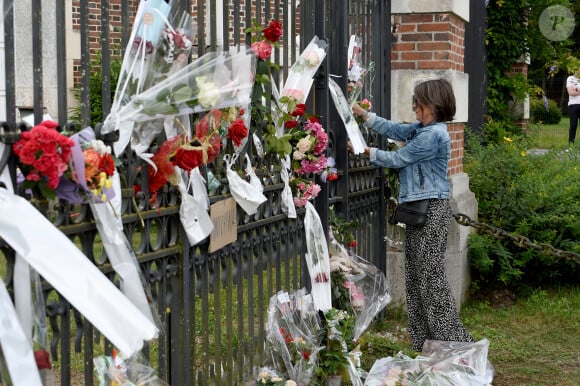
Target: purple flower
{"type": "Point", "coordinates": [546, 104]}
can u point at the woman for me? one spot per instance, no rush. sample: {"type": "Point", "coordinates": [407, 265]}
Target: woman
{"type": "Point", "coordinates": [423, 166]}
{"type": "Point", "coordinates": [573, 88]}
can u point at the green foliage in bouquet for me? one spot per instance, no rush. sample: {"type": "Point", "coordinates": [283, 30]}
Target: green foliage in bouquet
{"type": "Point", "coordinates": [528, 195]}
{"type": "Point", "coordinates": [342, 230]}
{"type": "Point", "coordinates": [338, 331]}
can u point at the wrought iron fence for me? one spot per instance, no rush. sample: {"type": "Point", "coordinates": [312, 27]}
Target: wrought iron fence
{"type": "Point", "coordinates": [212, 304]}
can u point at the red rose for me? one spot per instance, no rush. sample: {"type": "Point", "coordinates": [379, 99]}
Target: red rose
{"type": "Point", "coordinates": [299, 110]}
{"type": "Point", "coordinates": [237, 131]}
{"type": "Point", "coordinates": [273, 31]}
{"type": "Point", "coordinates": [313, 119]}
{"type": "Point", "coordinates": [188, 159]}
{"type": "Point", "coordinates": [290, 124]}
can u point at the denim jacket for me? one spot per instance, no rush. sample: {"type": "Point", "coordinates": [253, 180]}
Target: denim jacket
{"type": "Point", "coordinates": [423, 161]}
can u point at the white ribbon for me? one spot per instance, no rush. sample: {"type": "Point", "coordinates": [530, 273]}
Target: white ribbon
{"type": "Point", "coordinates": [61, 263]}
{"type": "Point", "coordinates": [16, 347]}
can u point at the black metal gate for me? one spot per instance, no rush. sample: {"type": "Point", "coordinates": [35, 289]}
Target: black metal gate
{"type": "Point", "coordinates": [212, 305]}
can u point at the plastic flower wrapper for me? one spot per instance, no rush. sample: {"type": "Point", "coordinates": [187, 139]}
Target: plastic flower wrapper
{"type": "Point", "coordinates": [160, 43]}
{"type": "Point", "coordinates": [248, 195]}
{"type": "Point", "coordinates": [44, 156]}
{"type": "Point", "coordinates": [119, 370]}
{"type": "Point", "coordinates": [286, 197]}
{"type": "Point", "coordinates": [463, 363]}
{"type": "Point", "coordinates": [357, 286]}
{"type": "Point", "coordinates": [300, 75]}
{"type": "Point", "coordinates": [440, 363]}
{"type": "Point", "coordinates": [356, 71]}
{"type": "Point", "coordinates": [317, 259]}
{"type": "Point", "coordinates": [398, 370]}
{"type": "Point", "coordinates": [293, 334]}
{"type": "Point", "coordinates": [91, 171]}
{"type": "Point", "coordinates": [345, 111]}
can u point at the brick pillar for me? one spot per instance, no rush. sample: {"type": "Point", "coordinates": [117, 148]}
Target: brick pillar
{"type": "Point", "coordinates": [430, 45]}
{"type": "Point", "coordinates": [522, 109]}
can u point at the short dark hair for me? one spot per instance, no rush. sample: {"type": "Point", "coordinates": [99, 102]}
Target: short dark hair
{"type": "Point", "coordinates": [438, 94]}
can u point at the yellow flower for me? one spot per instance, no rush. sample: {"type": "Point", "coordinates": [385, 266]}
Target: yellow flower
{"type": "Point", "coordinates": [507, 139]}
{"type": "Point", "coordinates": [109, 183]}
{"type": "Point", "coordinates": [523, 153]}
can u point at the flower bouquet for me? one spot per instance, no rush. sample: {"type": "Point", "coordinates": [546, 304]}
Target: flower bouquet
{"type": "Point", "coordinates": [91, 171]}
{"type": "Point", "coordinates": [317, 259]}
{"type": "Point", "coordinates": [357, 286]}
{"type": "Point", "coordinates": [269, 377]}
{"type": "Point", "coordinates": [44, 155]}
{"type": "Point", "coordinates": [300, 76]}
{"type": "Point", "coordinates": [118, 369]}
{"type": "Point", "coordinates": [293, 334]}
{"type": "Point", "coordinates": [440, 363]}
{"type": "Point", "coordinates": [190, 152]}
{"type": "Point", "coordinates": [159, 45]}
{"type": "Point", "coordinates": [356, 71]}
{"type": "Point", "coordinates": [345, 111]}
{"type": "Point", "coordinates": [214, 81]}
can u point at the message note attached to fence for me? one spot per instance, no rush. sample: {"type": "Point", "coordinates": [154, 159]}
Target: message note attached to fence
{"type": "Point", "coordinates": [225, 222]}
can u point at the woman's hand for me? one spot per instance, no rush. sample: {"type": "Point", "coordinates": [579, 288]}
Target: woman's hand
{"type": "Point", "coordinates": [357, 110]}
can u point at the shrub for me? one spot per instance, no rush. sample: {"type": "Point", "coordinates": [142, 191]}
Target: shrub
{"type": "Point", "coordinates": [529, 195]}
{"type": "Point", "coordinates": [538, 112]}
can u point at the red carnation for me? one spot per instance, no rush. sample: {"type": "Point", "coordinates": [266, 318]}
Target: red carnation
{"type": "Point", "coordinates": [237, 132]}
{"type": "Point", "coordinates": [188, 159]}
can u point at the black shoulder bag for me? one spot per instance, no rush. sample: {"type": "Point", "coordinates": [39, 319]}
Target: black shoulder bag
{"type": "Point", "coordinates": [410, 213]}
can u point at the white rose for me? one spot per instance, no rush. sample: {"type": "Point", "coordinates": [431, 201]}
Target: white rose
{"type": "Point", "coordinates": [208, 92]}
{"type": "Point", "coordinates": [304, 144]}
{"type": "Point", "coordinates": [311, 58]}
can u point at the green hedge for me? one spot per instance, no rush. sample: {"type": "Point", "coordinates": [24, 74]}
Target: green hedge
{"type": "Point", "coordinates": [535, 196]}
{"type": "Point", "coordinates": [539, 114]}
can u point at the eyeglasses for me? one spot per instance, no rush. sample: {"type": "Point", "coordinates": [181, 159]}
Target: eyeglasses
{"type": "Point", "coordinates": [415, 103]}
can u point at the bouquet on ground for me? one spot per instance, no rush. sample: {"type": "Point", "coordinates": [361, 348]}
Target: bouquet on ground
{"type": "Point", "coordinates": [357, 286]}
{"type": "Point", "coordinates": [270, 377]}
{"type": "Point", "coordinates": [440, 363]}
{"type": "Point", "coordinates": [118, 369]}
{"type": "Point", "coordinates": [293, 335]}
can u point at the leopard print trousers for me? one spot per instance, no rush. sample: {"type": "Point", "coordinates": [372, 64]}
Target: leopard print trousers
{"type": "Point", "coordinates": [430, 304]}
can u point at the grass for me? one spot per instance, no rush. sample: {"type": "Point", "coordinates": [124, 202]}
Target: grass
{"type": "Point", "coordinates": [551, 136]}
{"type": "Point", "coordinates": [533, 342]}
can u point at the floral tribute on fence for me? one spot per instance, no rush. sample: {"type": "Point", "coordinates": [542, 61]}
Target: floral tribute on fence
{"type": "Point", "coordinates": [289, 132]}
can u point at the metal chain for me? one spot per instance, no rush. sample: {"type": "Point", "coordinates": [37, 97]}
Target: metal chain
{"type": "Point", "coordinates": [521, 241]}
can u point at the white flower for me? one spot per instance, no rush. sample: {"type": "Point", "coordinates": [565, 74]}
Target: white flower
{"type": "Point", "coordinates": [290, 383]}
{"type": "Point", "coordinates": [208, 92]}
{"type": "Point", "coordinates": [297, 155]}
{"type": "Point", "coordinates": [305, 144]}
{"type": "Point", "coordinates": [311, 58]}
